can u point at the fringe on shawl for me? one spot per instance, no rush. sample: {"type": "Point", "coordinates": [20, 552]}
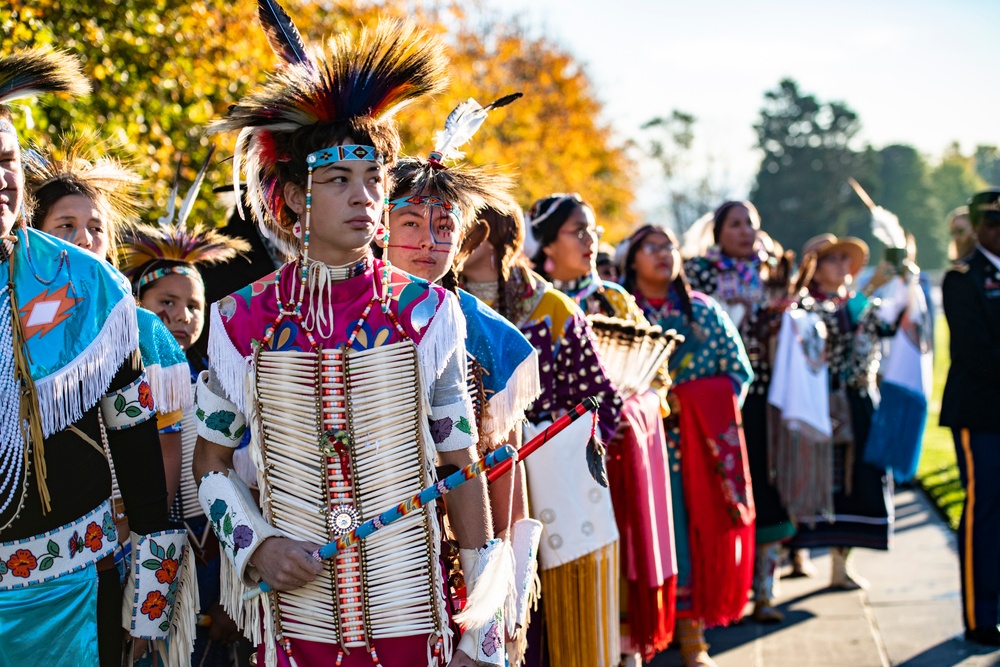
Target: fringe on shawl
{"type": "Point", "coordinates": [506, 407]}
{"type": "Point", "coordinates": [581, 610]}
{"type": "Point", "coordinates": [444, 337]}
{"type": "Point", "coordinates": [170, 387]}
{"type": "Point", "coordinates": [231, 367]}
{"type": "Point", "coordinates": [801, 459]}
{"type": "Point", "coordinates": [65, 395]}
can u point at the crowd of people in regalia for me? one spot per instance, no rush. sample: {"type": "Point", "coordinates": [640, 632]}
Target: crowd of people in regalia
{"type": "Point", "coordinates": [384, 416]}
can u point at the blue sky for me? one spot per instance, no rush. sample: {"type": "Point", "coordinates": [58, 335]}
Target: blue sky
{"type": "Point", "coordinates": [921, 72]}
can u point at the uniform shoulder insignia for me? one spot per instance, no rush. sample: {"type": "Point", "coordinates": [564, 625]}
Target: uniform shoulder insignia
{"type": "Point", "coordinates": [959, 267]}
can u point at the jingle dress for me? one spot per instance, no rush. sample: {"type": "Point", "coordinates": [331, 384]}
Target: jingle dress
{"type": "Point", "coordinates": [711, 494]}
{"type": "Point", "coordinates": [863, 510]}
{"type": "Point", "coordinates": [60, 595]}
{"type": "Point", "coordinates": [415, 357]}
{"type": "Point", "coordinates": [640, 488]}
{"type": "Point", "coordinates": [738, 287]}
{"type": "Point", "coordinates": [580, 622]}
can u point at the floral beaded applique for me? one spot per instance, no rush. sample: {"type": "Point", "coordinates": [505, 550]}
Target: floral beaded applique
{"type": "Point", "coordinates": [222, 421]}
{"type": "Point", "coordinates": [128, 406]}
{"type": "Point", "coordinates": [234, 536]}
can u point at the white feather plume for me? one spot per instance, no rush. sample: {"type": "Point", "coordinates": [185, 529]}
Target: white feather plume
{"type": "Point", "coordinates": [462, 123]}
{"type": "Point", "coordinates": [886, 228]}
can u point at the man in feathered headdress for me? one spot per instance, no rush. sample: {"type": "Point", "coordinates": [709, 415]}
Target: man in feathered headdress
{"type": "Point", "coordinates": [69, 362]}
{"type": "Point", "coordinates": [350, 372]}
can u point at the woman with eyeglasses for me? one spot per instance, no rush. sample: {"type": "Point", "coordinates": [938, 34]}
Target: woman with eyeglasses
{"type": "Point", "coordinates": [751, 284]}
{"type": "Point", "coordinates": [709, 477]}
{"type": "Point", "coordinates": [860, 493]}
{"type": "Point", "coordinates": [562, 241]}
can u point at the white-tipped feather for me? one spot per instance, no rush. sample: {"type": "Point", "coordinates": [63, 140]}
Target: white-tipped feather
{"type": "Point", "coordinates": [462, 124]}
{"type": "Point", "coordinates": [192, 193]}
{"type": "Point", "coordinates": [886, 228]}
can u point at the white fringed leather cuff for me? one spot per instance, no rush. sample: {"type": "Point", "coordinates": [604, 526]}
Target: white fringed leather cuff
{"type": "Point", "coordinates": [489, 578]}
{"type": "Point", "coordinates": [525, 536]}
{"type": "Point", "coordinates": [236, 519]}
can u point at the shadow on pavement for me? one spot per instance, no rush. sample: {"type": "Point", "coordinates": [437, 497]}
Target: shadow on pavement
{"type": "Point", "coordinates": [952, 652]}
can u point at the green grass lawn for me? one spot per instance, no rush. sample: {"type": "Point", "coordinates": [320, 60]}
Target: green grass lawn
{"type": "Point", "coordinates": [938, 472]}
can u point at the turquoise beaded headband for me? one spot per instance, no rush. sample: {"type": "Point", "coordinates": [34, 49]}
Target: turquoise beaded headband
{"type": "Point", "coordinates": [333, 154]}
{"type": "Point", "coordinates": [424, 200]}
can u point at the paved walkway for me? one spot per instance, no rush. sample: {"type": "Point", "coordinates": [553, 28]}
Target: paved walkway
{"type": "Point", "coordinates": [910, 617]}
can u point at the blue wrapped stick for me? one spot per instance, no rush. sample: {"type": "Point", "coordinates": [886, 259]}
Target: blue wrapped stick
{"type": "Point", "coordinates": [412, 504]}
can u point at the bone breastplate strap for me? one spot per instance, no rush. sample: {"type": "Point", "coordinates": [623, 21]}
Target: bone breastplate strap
{"type": "Point", "coordinates": [344, 439]}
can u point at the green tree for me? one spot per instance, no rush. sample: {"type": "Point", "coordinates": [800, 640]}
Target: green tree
{"type": "Point", "coordinates": [801, 188]}
{"type": "Point", "coordinates": [905, 189]}
{"type": "Point", "coordinates": [988, 164]}
{"type": "Point", "coordinates": [954, 180]}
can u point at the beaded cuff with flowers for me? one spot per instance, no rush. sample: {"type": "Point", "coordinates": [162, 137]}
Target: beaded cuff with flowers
{"type": "Point", "coordinates": [161, 594]}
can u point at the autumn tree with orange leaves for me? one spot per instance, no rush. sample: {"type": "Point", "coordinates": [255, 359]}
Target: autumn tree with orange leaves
{"type": "Point", "coordinates": [163, 69]}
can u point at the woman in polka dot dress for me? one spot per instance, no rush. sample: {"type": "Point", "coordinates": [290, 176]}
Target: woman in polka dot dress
{"type": "Point", "coordinates": [740, 274]}
{"type": "Point", "coordinates": [578, 554]}
{"type": "Point", "coordinates": [712, 499]}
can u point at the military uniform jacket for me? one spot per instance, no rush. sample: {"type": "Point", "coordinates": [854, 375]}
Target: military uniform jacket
{"type": "Point", "coordinates": [971, 295]}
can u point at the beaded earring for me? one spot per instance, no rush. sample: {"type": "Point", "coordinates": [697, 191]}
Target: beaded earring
{"type": "Point", "coordinates": [549, 266]}
{"type": "Point", "coordinates": [386, 265]}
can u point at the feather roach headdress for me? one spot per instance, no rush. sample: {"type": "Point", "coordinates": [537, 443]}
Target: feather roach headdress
{"type": "Point", "coordinates": [33, 72]}
{"type": "Point", "coordinates": [349, 88]}
{"type": "Point", "coordinates": [79, 169]}
{"type": "Point", "coordinates": [461, 190]}
{"type": "Point", "coordinates": [154, 251]}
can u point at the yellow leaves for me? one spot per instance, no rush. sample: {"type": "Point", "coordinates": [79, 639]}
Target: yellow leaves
{"type": "Point", "coordinates": [164, 68]}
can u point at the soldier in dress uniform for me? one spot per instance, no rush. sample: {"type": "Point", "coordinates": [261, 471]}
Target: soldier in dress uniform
{"type": "Point", "coordinates": [971, 294]}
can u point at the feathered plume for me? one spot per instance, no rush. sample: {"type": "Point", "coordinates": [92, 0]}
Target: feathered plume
{"type": "Point", "coordinates": [189, 198]}
{"type": "Point", "coordinates": [374, 76]}
{"type": "Point", "coordinates": [472, 189]}
{"type": "Point", "coordinates": [885, 224]}
{"type": "Point", "coordinates": [462, 123]}
{"type": "Point", "coordinates": [197, 245]}
{"type": "Point", "coordinates": [33, 72]}
{"type": "Point", "coordinates": [282, 35]}
{"type": "Point", "coordinates": [114, 183]}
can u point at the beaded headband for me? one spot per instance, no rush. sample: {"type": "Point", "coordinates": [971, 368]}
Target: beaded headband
{"type": "Point", "coordinates": [333, 154]}
{"type": "Point", "coordinates": [152, 276]}
{"type": "Point", "coordinates": [991, 206]}
{"type": "Point", "coordinates": [536, 217]}
{"type": "Point", "coordinates": [425, 200]}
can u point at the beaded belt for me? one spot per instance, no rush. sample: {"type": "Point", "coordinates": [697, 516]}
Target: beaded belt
{"type": "Point", "coordinates": [66, 549]}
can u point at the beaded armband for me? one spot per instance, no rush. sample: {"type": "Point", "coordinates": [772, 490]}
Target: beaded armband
{"type": "Point", "coordinates": [218, 419]}
{"type": "Point", "coordinates": [453, 426]}
{"type": "Point", "coordinates": [235, 518]}
{"type": "Point", "coordinates": [129, 406]}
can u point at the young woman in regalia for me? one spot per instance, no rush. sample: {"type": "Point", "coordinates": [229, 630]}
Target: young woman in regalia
{"type": "Point", "coordinates": [751, 284]}
{"type": "Point", "coordinates": [349, 373]}
{"type": "Point", "coordinates": [432, 208]}
{"type": "Point", "coordinates": [70, 367]}
{"type": "Point", "coordinates": [564, 233]}
{"type": "Point", "coordinates": [713, 514]}
{"type": "Point", "coordinates": [578, 622]}
{"type": "Point", "coordinates": [164, 263]}
{"type": "Point", "coordinates": [90, 200]}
